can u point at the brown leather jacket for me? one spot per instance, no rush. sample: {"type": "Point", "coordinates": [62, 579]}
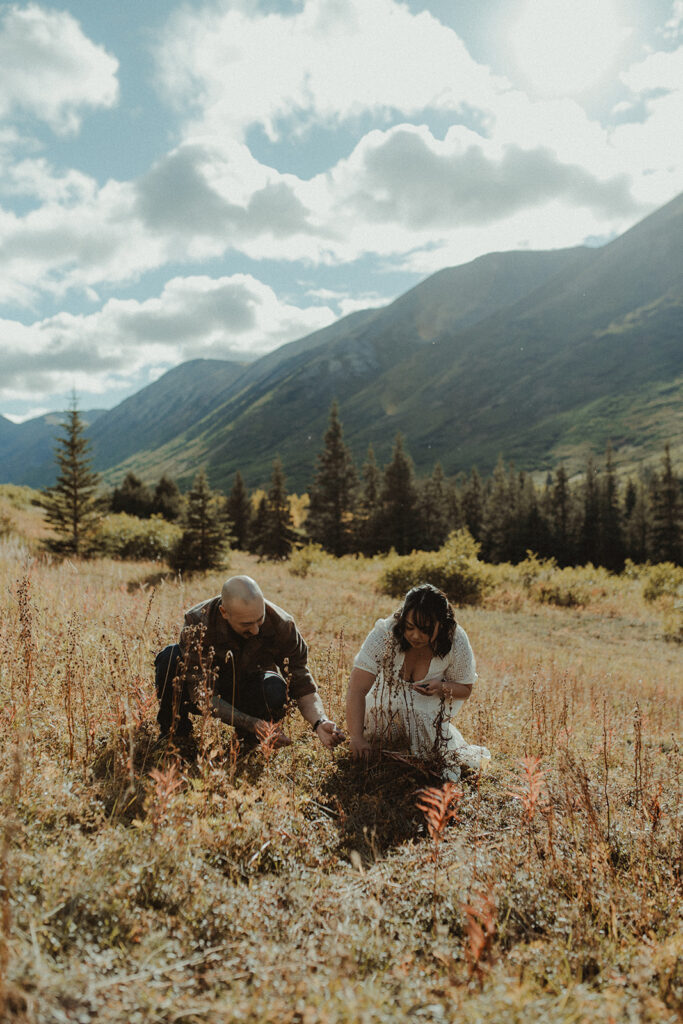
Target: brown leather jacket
{"type": "Point", "coordinates": [212, 651]}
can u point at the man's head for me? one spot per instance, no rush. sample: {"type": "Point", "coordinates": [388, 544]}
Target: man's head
{"type": "Point", "coordinates": [242, 605]}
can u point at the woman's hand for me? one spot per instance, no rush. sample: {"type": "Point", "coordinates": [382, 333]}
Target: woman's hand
{"type": "Point", "coordinates": [440, 688]}
{"type": "Point", "coordinates": [360, 748]}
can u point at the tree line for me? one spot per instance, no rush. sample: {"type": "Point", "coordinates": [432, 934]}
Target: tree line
{"type": "Point", "coordinates": [592, 519]}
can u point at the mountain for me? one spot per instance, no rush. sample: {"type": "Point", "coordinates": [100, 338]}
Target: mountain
{"type": "Point", "coordinates": [538, 356]}
{"type": "Point", "coordinates": [27, 450]}
{"type": "Point", "coordinates": [281, 403]}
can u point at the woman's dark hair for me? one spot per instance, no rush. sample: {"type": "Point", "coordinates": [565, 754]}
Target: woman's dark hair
{"type": "Point", "coordinates": [430, 607]}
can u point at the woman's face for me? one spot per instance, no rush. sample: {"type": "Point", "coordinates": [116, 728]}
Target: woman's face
{"type": "Point", "coordinates": [415, 636]}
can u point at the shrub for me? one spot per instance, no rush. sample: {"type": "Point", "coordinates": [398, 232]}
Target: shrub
{"type": "Point", "coordinates": [663, 580]}
{"type": "Point", "coordinates": [123, 536]}
{"type": "Point", "coordinates": [454, 568]}
{"type": "Point", "coordinates": [566, 588]}
{"type": "Point", "coordinates": [303, 559]}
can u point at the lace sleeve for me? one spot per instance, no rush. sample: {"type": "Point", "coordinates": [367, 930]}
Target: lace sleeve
{"type": "Point", "coordinates": [461, 667]}
{"type": "Point", "coordinates": [371, 654]}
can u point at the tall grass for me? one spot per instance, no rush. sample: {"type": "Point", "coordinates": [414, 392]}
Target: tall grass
{"type": "Point", "coordinates": [199, 882]}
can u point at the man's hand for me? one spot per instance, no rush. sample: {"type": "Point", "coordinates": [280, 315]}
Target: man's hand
{"type": "Point", "coordinates": [360, 748]}
{"type": "Point", "coordinates": [270, 734]}
{"type": "Point", "coordinates": [329, 735]}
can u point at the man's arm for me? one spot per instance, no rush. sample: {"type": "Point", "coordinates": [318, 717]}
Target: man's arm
{"type": "Point", "coordinates": [311, 707]}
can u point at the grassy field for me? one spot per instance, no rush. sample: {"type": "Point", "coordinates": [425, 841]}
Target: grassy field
{"type": "Point", "coordinates": [142, 884]}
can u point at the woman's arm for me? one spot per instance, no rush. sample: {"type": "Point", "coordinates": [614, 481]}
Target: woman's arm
{"type": "Point", "coordinates": [360, 683]}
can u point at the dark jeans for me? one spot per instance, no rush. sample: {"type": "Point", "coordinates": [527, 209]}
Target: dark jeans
{"type": "Point", "coordinates": [260, 694]}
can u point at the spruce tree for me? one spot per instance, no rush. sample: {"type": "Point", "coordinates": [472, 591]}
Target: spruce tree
{"type": "Point", "coordinates": [368, 518]}
{"type": "Point", "coordinates": [133, 497]}
{"type": "Point", "coordinates": [71, 505]}
{"type": "Point", "coordinates": [167, 500]}
{"type": "Point", "coordinates": [636, 519]}
{"type": "Point", "coordinates": [472, 503]}
{"type": "Point", "coordinates": [590, 527]}
{"type": "Point", "coordinates": [433, 511]}
{"type": "Point", "coordinates": [399, 502]}
{"type": "Point", "coordinates": [666, 514]}
{"type": "Point", "coordinates": [561, 541]}
{"type": "Point", "coordinates": [239, 512]}
{"type": "Point", "coordinates": [611, 547]}
{"type": "Point", "coordinates": [497, 517]}
{"type": "Point", "coordinates": [205, 537]}
{"type": "Point", "coordinates": [332, 496]}
{"type": "Point", "coordinates": [278, 534]}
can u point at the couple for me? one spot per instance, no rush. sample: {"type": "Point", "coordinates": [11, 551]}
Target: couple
{"type": "Point", "coordinates": [241, 658]}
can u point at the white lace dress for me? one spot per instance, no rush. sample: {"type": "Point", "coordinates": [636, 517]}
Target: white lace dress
{"type": "Point", "coordinates": [395, 712]}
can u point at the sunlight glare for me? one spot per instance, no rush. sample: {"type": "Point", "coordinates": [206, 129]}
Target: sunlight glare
{"type": "Point", "coordinates": [564, 46]}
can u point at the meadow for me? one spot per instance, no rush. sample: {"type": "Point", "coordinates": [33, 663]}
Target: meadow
{"type": "Point", "coordinates": [141, 882]}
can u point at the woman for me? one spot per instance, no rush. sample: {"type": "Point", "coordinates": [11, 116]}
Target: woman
{"type": "Point", "coordinates": [411, 676]}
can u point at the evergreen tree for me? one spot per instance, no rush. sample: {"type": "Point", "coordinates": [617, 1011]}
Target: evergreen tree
{"type": "Point", "coordinates": [611, 547]}
{"type": "Point", "coordinates": [433, 511]}
{"type": "Point", "coordinates": [399, 502]}
{"type": "Point", "coordinates": [205, 537]}
{"type": "Point", "coordinates": [454, 513]}
{"type": "Point", "coordinates": [277, 536]}
{"type": "Point", "coordinates": [239, 512]}
{"type": "Point", "coordinates": [636, 518]}
{"type": "Point", "coordinates": [590, 527]}
{"type": "Point", "coordinates": [368, 518]}
{"type": "Point", "coordinates": [495, 527]}
{"type": "Point", "coordinates": [531, 533]}
{"type": "Point", "coordinates": [332, 496]}
{"type": "Point", "coordinates": [167, 500]}
{"type": "Point", "coordinates": [561, 543]}
{"type": "Point", "coordinates": [133, 497]}
{"type": "Point", "coordinates": [71, 505]}
{"type": "Point", "coordinates": [472, 503]}
{"type": "Point", "coordinates": [258, 530]}
{"type": "Point", "coordinates": [666, 514]}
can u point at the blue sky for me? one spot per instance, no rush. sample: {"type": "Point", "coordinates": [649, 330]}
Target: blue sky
{"type": "Point", "coordinates": [215, 179]}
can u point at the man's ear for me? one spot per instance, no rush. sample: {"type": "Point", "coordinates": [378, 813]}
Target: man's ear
{"type": "Point", "coordinates": [221, 609]}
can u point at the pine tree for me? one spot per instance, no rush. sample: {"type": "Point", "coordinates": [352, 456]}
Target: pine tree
{"type": "Point", "coordinates": [666, 514]}
{"type": "Point", "coordinates": [205, 537]}
{"type": "Point", "coordinates": [277, 535]}
{"type": "Point", "coordinates": [239, 512]}
{"type": "Point", "coordinates": [167, 500]}
{"type": "Point", "coordinates": [399, 502]}
{"type": "Point", "coordinates": [433, 511]}
{"type": "Point", "coordinates": [332, 496]}
{"type": "Point", "coordinates": [368, 517]}
{"type": "Point", "coordinates": [71, 505]}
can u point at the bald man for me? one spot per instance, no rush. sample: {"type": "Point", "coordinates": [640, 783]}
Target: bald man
{"type": "Point", "coordinates": [241, 657]}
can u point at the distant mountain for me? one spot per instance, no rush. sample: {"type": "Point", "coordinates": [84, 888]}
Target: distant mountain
{"type": "Point", "coordinates": [27, 449]}
{"type": "Point", "coordinates": [162, 410]}
{"type": "Point", "coordinates": [538, 356]}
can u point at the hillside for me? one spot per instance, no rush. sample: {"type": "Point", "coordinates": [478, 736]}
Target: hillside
{"type": "Point", "coordinates": [538, 356]}
{"type": "Point", "coordinates": [27, 449]}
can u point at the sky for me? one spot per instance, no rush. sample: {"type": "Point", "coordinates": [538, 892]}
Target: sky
{"type": "Point", "coordinates": [184, 180]}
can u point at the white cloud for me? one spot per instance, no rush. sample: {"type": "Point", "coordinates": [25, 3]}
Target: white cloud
{"type": "Point", "coordinates": [235, 317]}
{"type": "Point", "coordinates": [50, 70]}
{"type": "Point", "coordinates": [333, 59]}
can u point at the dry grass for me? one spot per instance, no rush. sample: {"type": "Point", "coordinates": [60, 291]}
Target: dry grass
{"type": "Point", "coordinates": [138, 884]}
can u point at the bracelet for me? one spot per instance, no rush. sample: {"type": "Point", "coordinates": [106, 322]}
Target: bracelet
{"type": "Point", "coordinates": [319, 722]}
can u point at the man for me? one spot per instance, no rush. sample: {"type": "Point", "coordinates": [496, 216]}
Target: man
{"type": "Point", "coordinates": [241, 658]}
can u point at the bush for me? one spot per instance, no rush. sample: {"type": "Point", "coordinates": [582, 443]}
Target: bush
{"type": "Point", "coordinates": [454, 568]}
{"type": "Point", "coordinates": [663, 580]}
{"type": "Point", "coordinates": [303, 559]}
{"type": "Point", "coordinates": [120, 535]}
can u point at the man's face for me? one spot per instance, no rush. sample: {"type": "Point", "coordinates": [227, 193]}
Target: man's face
{"type": "Point", "coordinates": [245, 618]}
